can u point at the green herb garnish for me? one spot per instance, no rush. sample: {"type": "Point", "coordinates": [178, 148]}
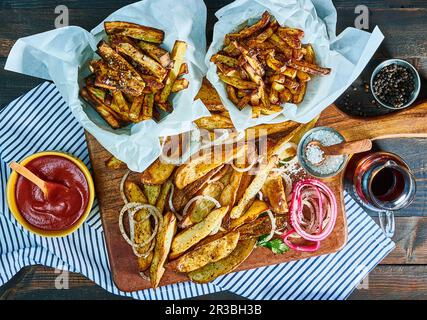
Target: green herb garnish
{"type": "Point", "coordinates": [275, 245]}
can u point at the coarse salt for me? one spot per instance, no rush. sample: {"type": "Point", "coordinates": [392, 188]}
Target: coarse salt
{"type": "Point", "coordinates": [314, 154]}
{"type": "Point", "coordinates": [314, 157]}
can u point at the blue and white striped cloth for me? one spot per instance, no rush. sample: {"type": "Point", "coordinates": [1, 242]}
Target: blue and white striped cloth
{"type": "Point", "coordinates": [40, 120]}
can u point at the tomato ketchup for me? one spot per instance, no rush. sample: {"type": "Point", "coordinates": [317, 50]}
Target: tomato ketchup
{"type": "Point", "coordinates": [64, 206]}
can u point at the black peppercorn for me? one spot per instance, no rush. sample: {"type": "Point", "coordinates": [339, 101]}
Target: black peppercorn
{"type": "Point", "coordinates": [393, 85]}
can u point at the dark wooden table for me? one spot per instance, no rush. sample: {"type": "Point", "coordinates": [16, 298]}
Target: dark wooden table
{"type": "Point", "coordinates": [402, 275]}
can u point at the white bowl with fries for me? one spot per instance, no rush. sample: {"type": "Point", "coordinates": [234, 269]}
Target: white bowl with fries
{"type": "Point", "coordinates": [276, 61]}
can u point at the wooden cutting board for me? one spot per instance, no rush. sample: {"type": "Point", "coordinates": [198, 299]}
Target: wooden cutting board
{"type": "Point", "coordinates": [408, 123]}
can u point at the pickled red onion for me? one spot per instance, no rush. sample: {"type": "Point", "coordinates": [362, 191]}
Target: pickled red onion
{"type": "Point", "coordinates": [323, 213]}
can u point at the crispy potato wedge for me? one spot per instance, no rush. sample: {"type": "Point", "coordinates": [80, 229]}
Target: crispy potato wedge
{"type": "Point", "coordinates": [178, 56]}
{"type": "Point", "coordinates": [274, 190]}
{"type": "Point", "coordinates": [182, 196]}
{"type": "Point", "coordinates": [215, 269]}
{"type": "Point", "coordinates": [161, 251]}
{"type": "Point", "coordinates": [210, 98]}
{"type": "Point", "coordinates": [155, 52]}
{"type": "Point", "coordinates": [152, 192]}
{"type": "Point", "coordinates": [135, 31]}
{"type": "Point", "coordinates": [134, 193]}
{"type": "Point", "coordinates": [157, 173]}
{"type": "Point", "coordinates": [114, 163]}
{"type": "Point", "coordinates": [254, 187]}
{"type": "Point", "coordinates": [202, 207]}
{"type": "Point", "coordinates": [215, 121]}
{"type": "Point", "coordinates": [142, 230]}
{"type": "Point", "coordinates": [164, 195]}
{"type": "Point", "coordinates": [251, 214]}
{"type": "Point", "coordinates": [201, 165]}
{"type": "Point", "coordinates": [260, 226]}
{"type": "Point", "coordinates": [229, 194]}
{"type": "Point", "coordinates": [208, 253]}
{"type": "Point", "coordinates": [191, 236]}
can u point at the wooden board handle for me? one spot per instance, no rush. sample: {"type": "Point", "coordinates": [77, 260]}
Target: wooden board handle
{"type": "Point", "coordinates": [407, 123]}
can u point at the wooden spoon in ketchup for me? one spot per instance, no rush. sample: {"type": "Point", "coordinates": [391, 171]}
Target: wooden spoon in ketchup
{"type": "Point", "coordinates": [50, 189]}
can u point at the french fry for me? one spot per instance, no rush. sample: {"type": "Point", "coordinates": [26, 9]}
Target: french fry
{"type": "Point", "coordinates": [117, 62]}
{"type": "Point", "coordinates": [231, 93]}
{"type": "Point", "coordinates": [147, 107]}
{"type": "Point", "coordinates": [303, 76]}
{"type": "Point", "coordinates": [308, 67]}
{"type": "Point", "coordinates": [136, 108]}
{"type": "Point", "coordinates": [244, 101]}
{"type": "Point", "coordinates": [155, 52]}
{"type": "Point", "coordinates": [108, 115]}
{"type": "Point", "coordinates": [237, 83]}
{"type": "Point", "coordinates": [259, 25]}
{"type": "Point", "coordinates": [180, 84]}
{"type": "Point", "coordinates": [281, 45]}
{"type": "Point", "coordinates": [178, 56]}
{"type": "Point", "coordinates": [114, 163]}
{"type": "Point", "coordinates": [135, 31]}
{"type": "Point", "coordinates": [299, 96]}
{"type": "Point", "coordinates": [183, 70]}
{"type": "Point", "coordinates": [142, 60]}
{"type": "Point", "coordinates": [229, 61]}
{"type": "Point", "coordinates": [285, 96]}
{"type": "Point", "coordinates": [310, 56]}
{"type": "Point", "coordinates": [272, 109]}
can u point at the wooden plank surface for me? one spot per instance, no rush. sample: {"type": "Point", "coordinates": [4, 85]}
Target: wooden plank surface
{"type": "Point", "coordinates": [402, 21]}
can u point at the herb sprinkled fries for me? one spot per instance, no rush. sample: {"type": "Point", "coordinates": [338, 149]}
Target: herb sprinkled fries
{"type": "Point", "coordinates": [265, 65]}
{"type": "Point", "coordinates": [136, 77]}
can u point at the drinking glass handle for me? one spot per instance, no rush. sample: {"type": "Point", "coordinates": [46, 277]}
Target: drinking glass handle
{"type": "Point", "coordinates": [386, 219]}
